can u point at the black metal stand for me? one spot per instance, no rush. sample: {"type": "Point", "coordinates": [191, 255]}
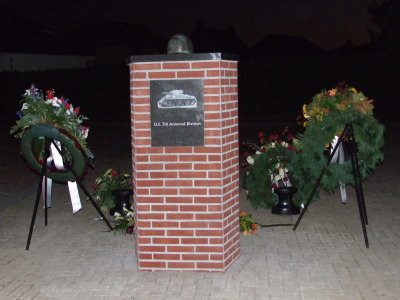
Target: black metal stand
{"type": "Point", "coordinates": [347, 134]}
{"type": "Point", "coordinates": [43, 175]}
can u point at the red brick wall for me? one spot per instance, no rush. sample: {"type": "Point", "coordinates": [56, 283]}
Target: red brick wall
{"type": "Point", "coordinates": [187, 198]}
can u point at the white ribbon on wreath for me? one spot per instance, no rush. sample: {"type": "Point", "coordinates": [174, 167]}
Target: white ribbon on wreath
{"type": "Point", "coordinates": [56, 157]}
{"type": "Point", "coordinates": [338, 157]}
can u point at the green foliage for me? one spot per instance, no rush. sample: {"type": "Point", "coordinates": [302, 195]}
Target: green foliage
{"type": "Point", "coordinates": [258, 180]}
{"type": "Point", "coordinates": [105, 184]}
{"type": "Point", "coordinates": [36, 109]}
{"type": "Point", "coordinates": [246, 223]}
{"type": "Point", "coordinates": [126, 222]}
{"type": "Point", "coordinates": [313, 158]}
{"type": "Point", "coordinates": [266, 168]}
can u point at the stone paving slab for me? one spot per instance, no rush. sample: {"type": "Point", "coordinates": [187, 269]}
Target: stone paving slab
{"type": "Point", "coordinates": [74, 257]}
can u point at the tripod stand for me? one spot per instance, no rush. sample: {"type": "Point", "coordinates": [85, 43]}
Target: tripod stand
{"type": "Point", "coordinates": [43, 175]}
{"type": "Point", "coordinates": [347, 134]}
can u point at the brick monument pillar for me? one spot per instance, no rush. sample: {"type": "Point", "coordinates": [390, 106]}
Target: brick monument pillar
{"type": "Point", "coordinates": [185, 161]}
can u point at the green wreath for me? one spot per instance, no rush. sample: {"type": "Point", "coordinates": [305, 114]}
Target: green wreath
{"type": "Point", "coordinates": [32, 144]}
{"type": "Point", "coordinates": [329, 118]}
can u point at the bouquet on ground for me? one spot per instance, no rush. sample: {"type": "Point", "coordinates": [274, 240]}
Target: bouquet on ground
{"type": "Point", "coordinates": [125, 221]}
{"type": "Point", "coordinates": [39, 108]}
{"type": "Point", "coordinates": [246, 223]}
{"type": "Point", "coordinates": [266, 165]}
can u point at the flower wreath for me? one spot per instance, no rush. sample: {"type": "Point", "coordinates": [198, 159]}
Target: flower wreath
{"type": "Point", "coordinates": [327, 115]}
{"type": "Point", "coordinates": [48, 116]}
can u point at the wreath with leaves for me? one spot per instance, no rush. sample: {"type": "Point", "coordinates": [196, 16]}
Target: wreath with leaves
{"type": "Point", "coordinates": [327, 115]}
{"type": "Point", "coordinates": [46, 116]}
{"type": "Point", "coordinates": [38, 108]}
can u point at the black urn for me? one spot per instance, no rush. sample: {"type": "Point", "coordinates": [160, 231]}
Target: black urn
{"type": "Point", "coordinates": [122, 200]}
{"type": "Point", "coordinates": [285, 204]}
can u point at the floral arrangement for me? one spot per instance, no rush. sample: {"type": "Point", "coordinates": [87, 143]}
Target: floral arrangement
{"type": "Point", "coordinates": [38, 108]}
{"type": "Point", "coordinates": [266, 167]}
{"type": "Point", "coordinates": [341, 98]}
{"type": "Point", "coordinates": [246, 222]}
{"type": "Point", "coordinates": [105, 184]}
{"type": "Point", "coordinates": [126, 222]}
{"type": "Point", "coordinates": [326, 117]}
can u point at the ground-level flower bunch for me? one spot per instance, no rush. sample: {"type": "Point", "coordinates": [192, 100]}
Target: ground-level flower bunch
{"type": "Point", "coordinates": [246, 223]}
{"type": "Point", "coordinates": [266, 167]}
{"type": "Point", "coordinates": [46, 108]}
{"type": "Point", "coordinates": [126, 221]}
{"type": "Point", "coordinates": [326, 117]}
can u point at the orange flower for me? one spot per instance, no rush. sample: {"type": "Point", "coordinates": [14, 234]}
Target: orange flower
{"type": "Point", "coordinates": [332, 92]}
{"type": "Point", "coordinates": [254, 226]}
{"type": "Point", "coordinates": [243, 213]}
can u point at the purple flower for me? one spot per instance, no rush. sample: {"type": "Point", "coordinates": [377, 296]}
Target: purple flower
{"type": "Point", "coordinates": [33, 89]}
{"type": "Point", "coordinates": [19, 114]}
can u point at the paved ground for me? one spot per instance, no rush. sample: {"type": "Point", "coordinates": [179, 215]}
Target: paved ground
{"type": "Point", "coordinates": [74, 258]}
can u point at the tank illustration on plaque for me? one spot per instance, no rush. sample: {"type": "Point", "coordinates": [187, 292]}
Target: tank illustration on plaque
{"type": "Point", "coordinates": [177, 99]}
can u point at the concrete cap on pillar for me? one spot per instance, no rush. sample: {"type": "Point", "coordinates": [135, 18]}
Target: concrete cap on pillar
{"type": "Point", "coordinates": [179, 43]}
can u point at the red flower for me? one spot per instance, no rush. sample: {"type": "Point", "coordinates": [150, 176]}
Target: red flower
{"type": "Point", "coordinates": [129, 229]}
{"type": "Point", "coordinates": [263, 149]}
{"type": "Point", "coordinates": [76, 110]}
{"type": "Point", "coordinates": [50, 94]}
{"type": "Point", "coordinates": [285, 179]}
{"type": "Point", "coordinates": [95, 185]}
{"type": "Point", "coordinates": [254, 226]}
{"type": "Point", "coordinates": [251, 231]}
{"type": "Point", "coordinates": [271, 137]}
{"type": "Point", "coordinates": [114, 173]}
{"type": "Point", "coordinates": [290, 137]}
{"type": "Point", "coordinates": [274, 186]}
{"type": "Point", "coordinates": [260, 134]}
{"type": "Point", "coordinates": [291, 147]}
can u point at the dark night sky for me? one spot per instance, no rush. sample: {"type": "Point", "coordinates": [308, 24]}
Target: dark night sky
{"type": "Point", "coordinates": [327, 23]}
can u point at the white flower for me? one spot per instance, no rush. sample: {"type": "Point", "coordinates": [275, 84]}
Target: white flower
{"type": "Point", "coordinates": [84, 132]}
{"type": "Point", "coordinates": [273, 145]}
{"type": "Point", "coordinates": [284, 144]}
{"type": "Point", "coordinates": [258, 152]}
{"type": "Point", "coordinates": [27, 92]}
{"type": "Point", "coordinates": [250, 160]}
{"type": "Point", "coordinates": [55, 102]}
{"type": "Point", "coordinates": [24, 106]}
